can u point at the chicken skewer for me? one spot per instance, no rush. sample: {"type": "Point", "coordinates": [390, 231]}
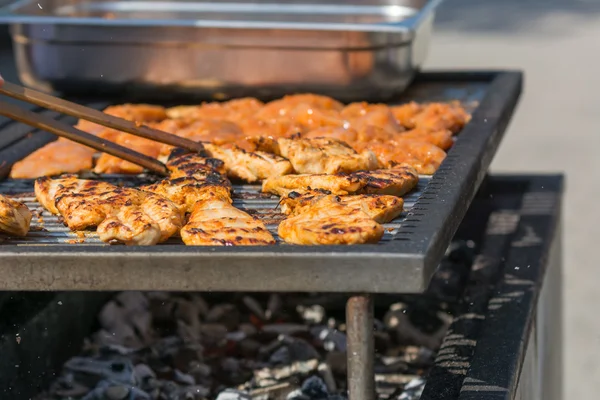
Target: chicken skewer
{"type": "Point", "coordinates": [15, 217]}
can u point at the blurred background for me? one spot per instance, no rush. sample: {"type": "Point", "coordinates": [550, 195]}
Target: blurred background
{"type": "Point", "coordinates": [556, 128]}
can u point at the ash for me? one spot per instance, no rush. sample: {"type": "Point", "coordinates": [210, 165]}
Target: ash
{"type": "Point", "coordinates": [188, 346]}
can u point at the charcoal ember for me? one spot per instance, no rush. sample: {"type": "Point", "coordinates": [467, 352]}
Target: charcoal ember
{"type": "Point", "coordinates": [66, 386]}
{"type": "Point", "coordinates": [413, 390]}
{"type": "Point", "coordinates": [183, 378]}
{"type": "Point", "coordinates": [315, 388]}
{"type": "Point", "coordinates": [128, 319]}
{"type": "Point", "coordinates": [327, 375]}
{"type": "Point", "coordinates": [285, 329]}
{"type": "Point", "coordinates": [314, 314]}
{"type": "Point", "coordinates": [144, 376]}
{"type": "Point", "coordinates": [274, 306]}
{"type": "Point", "coordinates": [194, 392]}
{"type": "Point", "coordinates": [166, 348]}
{"type": "Point", "coordinates": [300, 350]}
{"type": "Point", "coordinates": [248, 348]}
{"type": "Point", "coordinates": [89, 371]}
{"type": "Point", "coordinates": [200, 304]}
{"type": "Point", "coordinates": [201, 372]}
{"type": "Point", "coordinates": [254, 307]}
{"type": "Point", "coordinates": [163, 315]}
{"type": "Point", "coordinates": [248, 329]}
{"type": "Point", "coordinates": [330, 339]}
{"type": "Point", "coordinates": [213, 335]}
{"type": "Point", "coordinates": [188, 320]}
{"type": "Point", "coordinates": [232, 394]}
{"type": "Point", "coordinates": [231, 371]}
{"type": "Point", "coordinates": [186, 354]}
{"type": "Point", "coordinates": [402, 328]}
{"type": "Point", "coordinates": [281, 356]}
{"type": "Point", "coordinates": [278, 391]}
{"type": "Point", "coordinates": [269, 376]}
{"type": "Point", "coordinates": [227, 315]}
{"type": "Point", "coordinates": [106, 390]}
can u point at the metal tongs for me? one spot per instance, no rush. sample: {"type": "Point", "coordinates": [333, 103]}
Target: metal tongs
{"type": "Point", "coordinates": [75, 110]}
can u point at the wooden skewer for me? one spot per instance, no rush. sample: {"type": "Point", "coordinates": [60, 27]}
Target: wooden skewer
{"type": "Point", "coordinates": [58, 128]}
{"type": "Point", "coordinates": [95, 116]}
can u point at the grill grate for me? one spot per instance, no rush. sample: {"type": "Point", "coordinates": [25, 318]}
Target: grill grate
{"type": "Point", "coordinates": [47, 229]}
{"type": "Point", "coordinates": [403, 262]}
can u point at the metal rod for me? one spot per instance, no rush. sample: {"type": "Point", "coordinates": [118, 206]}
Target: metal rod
{"type": "Point", "coordinates": [361, 347]}
{"type": "Point", "coordinates": [58, 128]}
{"type": "Point", "coordinates": [98, 117]}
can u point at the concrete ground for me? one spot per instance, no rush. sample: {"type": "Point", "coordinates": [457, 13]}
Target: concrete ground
{"type": "Point", "coordinates": [556, 129]}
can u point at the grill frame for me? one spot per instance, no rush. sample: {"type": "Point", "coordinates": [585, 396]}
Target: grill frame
{"type": "Point", "coordinates": [404, 264]}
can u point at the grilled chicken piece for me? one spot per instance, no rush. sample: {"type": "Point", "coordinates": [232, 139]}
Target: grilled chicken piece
{"type": "Point", "coordinates": [215, 222]}
{"type": "Point", "coordinates": [193, 178]}
{"type": "Point", "coordinates": [396, 181]}
{"type": "Point", "coordinates": [143, 113]}
{"type": "Point", "coordinates": [336, 184]}
{"type": "Point", "coordinates": [440, 138]}
{"type": "Point", "coordinates": [123, 215]}
{"type": "Point", "coordinates": [325, 156]}
{"type": "Point", "coordinates": [250, 166]}
{"type": "Point", "coordinates": [328, 223]}
{"type": "Point", "coordinates": [15, 217]}
{"type": "Point", "coordinates": [434, 116]}
{"type": "Point", "coordinates": [360, 115]}
{"type": "Point", "coordinates": [422, 156]}
{"type": "Point", "coordinates": [380, 208]}
{"type": "Point", "coordinates": [198, 185]}
{"type": "Point", "coordinates": [61, 156]}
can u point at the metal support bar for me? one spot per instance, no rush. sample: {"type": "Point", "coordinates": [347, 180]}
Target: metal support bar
{"type": "Point", "coordinates": [361, 347]}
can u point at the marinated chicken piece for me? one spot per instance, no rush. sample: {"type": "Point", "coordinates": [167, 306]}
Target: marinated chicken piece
{"type": "Point", "coordinates": [380, 208]}
{"type": "Point", "coordinates": [346, 135]}
{"type": "Point", "coordinates": [434, 116]}
{"type": "Point", "coordinates": [193, 178]}
{"type": "Point", "coordinates": [232, 110]}
{"type": "Point", "coordinates": [108, 164]}
{"type": "Point", "coordinates": [143, 113]}
{"type": "Point", "coordinates": [212, 130]}
{"type": "Point", "coordinates": [282, 107]}
{"type": "Point", "coordinates": [439, 138]}
{"type": "Point", "coordinates": [330, 223]}
{"type": "Point", "coordinates": [250, 166]}
{"type": "Point", "coordinates": [15, 217]}
{"type": "Point", "coordinates": [215, 222]}
{"type": "Point", "coordinates": [182, 163]}
{"type": "Point", "coordinates": [422, 156]}
{"type": "Point", "coordinates": [361, 115]}
{"type": "Point", "coordinates": [61, 156]}
{"type": "Point", "coordinates": [396, 181]}
{"type": "Point", "coordinates": [335, 184]}
{"type": "Point", "coordinates": [122, 215]}
{"type": "Point", "coordinates": [325, 156]}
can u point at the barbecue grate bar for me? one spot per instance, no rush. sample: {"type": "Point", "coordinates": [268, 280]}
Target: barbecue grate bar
{"type": "Point", "coordinates": [404, 262]}
{"type": "Point", "coordinates": [47, 229]}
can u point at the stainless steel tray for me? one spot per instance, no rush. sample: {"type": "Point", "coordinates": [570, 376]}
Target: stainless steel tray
{"type": "Point", "coordinates": [351, 50]}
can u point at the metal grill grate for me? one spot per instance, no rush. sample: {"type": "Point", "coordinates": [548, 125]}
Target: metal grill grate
{"type": "Point", "coordinates": [47, 229]}
{"type": "Point", "coordinates": [403, 262]}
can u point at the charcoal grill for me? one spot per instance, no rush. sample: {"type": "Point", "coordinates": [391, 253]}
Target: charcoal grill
{"type": "Point", "coordinates": [403, 263]}
{"type": "Point", "coordinates": [504, 343]}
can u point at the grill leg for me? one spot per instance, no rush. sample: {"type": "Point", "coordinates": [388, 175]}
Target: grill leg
{"type": "Point", "coordinates": [361, 347]}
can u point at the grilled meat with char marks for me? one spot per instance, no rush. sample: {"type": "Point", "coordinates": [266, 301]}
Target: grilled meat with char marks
{"type": "Point", "coordinates": [199, 187]}
{"type": "Point", "coordinates": [329, 222]}
{"type": "Point", "coordinates": [215, 222]}
{"type": "Point", "coordinates": [15, 217]}
{"type": "Point", "coordinates": [381, 208]}
{"type": "Point", "coordinates": [122, 215]}
{"type": "Point", "coordinates": [250, 166]}
{"type": "Point", "coordinates": [396, 181]}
